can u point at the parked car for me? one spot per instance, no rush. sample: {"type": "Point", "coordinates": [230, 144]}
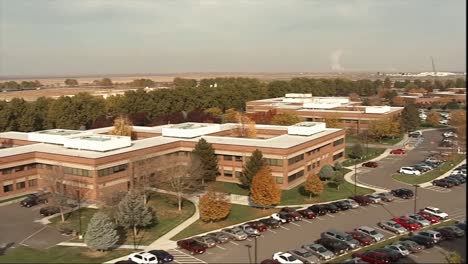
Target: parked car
{"type": "Point", "coordinates": [261, 227]}
{"type": "Point", "coordinates": [361, 200]}
{"type": "Point", "coordinates": [386, 196]}
{"type": "Point", "coordinates": [270, 261]}
{"type": "Point", "coordinates": [342, 205]}
{"type": "Point", "coordinates": [235, 233]}
{"type": "Point", "coordinates": [392, 254]}
{"type": "Point", "coordinates": [373, 257]}
{"type": "Point", "coordinates": [370, 232]}
{"type": "Point", "coordinates": [125, 261]}
{"type": "Point", "coordinates": [392, 226]}
{"type": "Point", "coordinates": [355, 260]}
{"type": "Point", "coordinates": [462, 226]}
{"type": "Point", "coordinates": [351, 203]}
{"type": "Point", "coordinates": [407, 223]}
{"type": "Point", "coordinates": [307, 213]}
{"type": "Point", "coordinates": [460, 177]}
{"type": "Point", "coordinates": [143, 257]}
{"type": "Point", "coordinates": [402, 250]}
{"type": "Point", "coordinates": [318, 209]}
{"type": "Point", "coordinates": [281, 220]}
{"type": "Point", "coordinates": [458, 232]}
{"type": "Point", "coordinates": [370, 164]}
{"type": "Point", "coordinates": [409, 171]}
{"type": "Point", "coordinates": [453, 181]}
{"type": "Point", "coordinates": [423, 241]}
{"type": "Point", "coordinates": [336, 246]}
{"type": "Point", "coordinates": [447, 234]}
{"type": "Point", "coordinates": [363, 239]}
{"type": "Point", "coordinates": [398, 151]}
{"type": "Point", "coordinates": [402, 193]}
{"type": "Point", "coordinates": [341, 236]}
{"type": "Point", "coordinates": [331, 208]}
{"type": "Point", "coordinates": [434, 235]}
{"type": "Point", "coordinates": [431, 218]}
{"type": "Point", "coordinates": [319, 250]}
{"type": "Point", "coordinates": [435, 212]}
{"type": "Point", "coordinates": [443, 183]}
{"type": "Point", "coordinates": [270, 222]}
{"type": "Point", "coordinates": [249, 230]}
{"type": "Point", "coordinates": [192, 246]}
{"type": "Point", "coordinates": [411, 246]}
{"type": "Point", "coordinates": [220, 237]}
{"type": "Point", "coordinates": [422, 168]}
{"type": "Point", "coordinates": [433, 160]}
{"type": "Point", "coordinates": [205, 241]}
{"type": "Point", "coordinates": [290, 214]}
{"type": "Point", "coordinates": [286, 258]}
{"type": "Point", "coordinates": [304, 255]}
{"type": "Point", "coordinates": [35, 199]}
{"type": "Point", "coordinates": [162, 256]}
{"type": "Point", "coordinates": [49, 210]}
{"type": "Point", "coordinates": [415, 134]}
{"type": "Point", "coordinates": [420, 220]}
{"type": "Point", "coordinates": [374, 198]}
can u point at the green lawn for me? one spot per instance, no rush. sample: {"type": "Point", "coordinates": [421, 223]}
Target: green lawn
{"type": "Point", "coordinates": [331, 193]}
{"type": "Point", "coordinates": [371, 153]}
{"type": "Point", "coordinates": [239, 214]}
{"type": "Point", "coordinates": [429, 176]}
{"type": "Point", "coordinates": [60, 254]}
{"type": "Point", "coordinates": [229, 187]}
{"type": "Point", "coordinates": [166, 210]}
{"type": "Point", "coordinates": [362, 139]}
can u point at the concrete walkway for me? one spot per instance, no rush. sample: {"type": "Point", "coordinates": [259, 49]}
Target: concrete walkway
{"type": "Point", "coordinates": [78, 244]}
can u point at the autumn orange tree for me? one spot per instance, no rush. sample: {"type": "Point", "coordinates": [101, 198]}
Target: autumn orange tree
{"type": "Point", "coordinates": [285, 119]}
{"type": "Point", "coordinates": [264, 190]}
{"type": "Point", "coordinates": [458, 120]}
{"type": "Point", "coordinates": [214, 206]}
{"type": "Point", "coordinates": [433, 118]}
{"type": "Point", "coordinates": [313, 185]}
{"type": "Point", "coordinates": [122, 127]}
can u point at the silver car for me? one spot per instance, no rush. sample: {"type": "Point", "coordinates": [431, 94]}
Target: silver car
{"type": "Point", "coordinates": [304, 255]}
{"type": "Point", "coordinates": [320, 251]}
{"type": "Point", "coordinates": [235, 233]}
{"type": "Point", "coordinates": [347, 238]}
{"type": "Point", "coordinates": [402, 250]}
{"type": "Point", "coordinates": [375, 199]}
{"type": "Point", "coordinates": [371, 232]}
{"type": "Point", "coordinates": [352, 203]}
{"type": "Point", "coordinates": [392, 226]}
{"type": "Point", "coordinates": [434, 235]}
{"type": "Point", "coordinates": [205, 240]}
{"type": "Point", "coordinates": [411, 246]}
{"type": "Point", "coordinates": [219, 237]}
{"type": "Point", "coordinates": [386, 196]}
{"type": "Point", "coordinates": [250, 231]}
{"type": "Point", "coordinates": [420, 220]}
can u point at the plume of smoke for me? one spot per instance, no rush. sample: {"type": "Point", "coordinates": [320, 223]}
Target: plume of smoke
{"type": "Point", "coordinates": [335, 57]}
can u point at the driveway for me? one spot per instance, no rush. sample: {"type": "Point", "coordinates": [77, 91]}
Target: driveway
{"type": "Point", "coordinates": [18, 226]}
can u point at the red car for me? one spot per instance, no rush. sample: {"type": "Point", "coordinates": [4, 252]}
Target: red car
{"type": "Point", "coordinates": [407, 223]}
{"type": "Point", "coordinates": [261, 227]}
{"type": "Point", "coordinates": [307, 213]}
{"type": "Point", "coordinates": [192, 246]}
{"type": "Point", "coordinates": [429, 217]}
{"type": "Point", "coordinates": [361, 200]}
{"type": "Point", "coordinates": [270, 261]}
{"type": "Point", "coordinates": [363, 239]}
{"type": "Point", "coordinates": [398, 151]}
{"type": "Point", "coordinates": [370, 164]}
{"type": "Point", "coordinates": [373, 257]}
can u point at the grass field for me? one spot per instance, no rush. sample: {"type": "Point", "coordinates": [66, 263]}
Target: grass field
{"type": "Point", "coordinates": [371, 153]}
{"type": "Point", "coordinates": [239, 214]}
{"type": "Point", "coordinates": [60, 254]}
{"type": "Point", "coordinates": [166, 210]}
{"type": "Point", "coordinates": [228, 187]}
{"type": "Point", "coordinates": [361, 139]}
{"type": "Point", "coordinates": [429, 176]}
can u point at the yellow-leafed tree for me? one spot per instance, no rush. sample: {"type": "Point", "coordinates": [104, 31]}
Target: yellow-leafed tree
{"type": "Point", "coordinates": [313, 185]}
{"type": "Point", "coordinates": [433, 118]}
{"type": "Point", "coordinates": [246, 126]}
{"type": "Point", "coordinates": [214, 206]}
{"type": "Point", "coordinates": [230, 116]}
{"type": "Point", "coordinates": [264, 190]}
{"type": "Point", "coordinates": [333, 121]}
{"type": "Point", "coordinates": [122, 127]}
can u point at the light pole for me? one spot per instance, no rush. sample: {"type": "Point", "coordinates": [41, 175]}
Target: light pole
{"type": "Point", "coordinates": [255, 255]}
{"type": "Point", "coordinates": [79, 212]}
{"type": "Point", "coordinates": [415, 197]}
{"type": "Point", "coordinates": [355, 176]}
{"type": "Point", "coordinates": [248, 249]}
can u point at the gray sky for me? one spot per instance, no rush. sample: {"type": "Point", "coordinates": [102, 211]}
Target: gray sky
{"type": "Point", "coordinates": [66, 37]}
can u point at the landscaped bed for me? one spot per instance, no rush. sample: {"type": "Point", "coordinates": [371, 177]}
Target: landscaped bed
{"type": "Point", "coordinates": [371, 154]}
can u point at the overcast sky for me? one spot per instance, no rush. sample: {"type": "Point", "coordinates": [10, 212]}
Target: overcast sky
{"type": "Point", "coordinates": [66, 37]}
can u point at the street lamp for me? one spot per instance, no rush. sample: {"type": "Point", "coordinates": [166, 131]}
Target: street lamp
{"type": "Point", "coordinates": [355, 177]}
{"type": "Point", "coordinates": [415, 196]}
{"type": "Point", "coordinates": [80, 235]}
{"type": "Point", "coordinates": [248, 249]}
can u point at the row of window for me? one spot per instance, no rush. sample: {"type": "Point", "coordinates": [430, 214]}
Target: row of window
{"type": "Point", "coordinates": [313, 165]}
{"type": "Point", "coordinates": [112, 170]}
{"type": "Point", "coordinates": [77, 172]}
{"type": "Point", "coordinates": [296, 176]}
{"type": "Point", "coordinates": [337, 156]}
{"type": "Point", "coordinates": [228, 173]}
{"type": "Point", "coordinates": [338, 142]}
{"type": "Point", "coordinates": [19, 168]}
{"type": "Point", "coordinates": [231, 157]}
{"type": "Point", "coordinates": [295, 159]}
{"type": "Point", "coordinates": [19, 185]}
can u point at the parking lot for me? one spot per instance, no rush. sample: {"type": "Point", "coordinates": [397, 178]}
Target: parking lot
{"type": "Point", "coordinates": [20, 226]}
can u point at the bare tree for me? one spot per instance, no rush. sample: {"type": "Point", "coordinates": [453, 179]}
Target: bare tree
{"type": "Point", "coordinates": [53, 180]}
{"type": "Point", "coordinates": [144, 172]}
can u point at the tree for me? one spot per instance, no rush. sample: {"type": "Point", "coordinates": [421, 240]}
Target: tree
{"type": "Point", "coordinates": [209, 162]}
{"type": "Point", "coordinates": [230, 116]}
{"type": "Point", "coordinates": [460, 83]}
{"type": "Point", "coordinates": [381, 128]}
{"type": "Point", "coordinates": [122, 127]}
{"type": "Point", "coordinates": [387, 83]}
{"type": "Point", "coordinates": [215, 112]}
{"type": "Point", "coordinates": [433, 118]}
{"type": "Point", "coordinates": [285, 119]}
{"type": "Point", "coordinates": [454, 257]}
{"type": "Point", "coordinates": [105, 82]}
{"type": "Point", "coordinates": [253, 165]}
{"type": "Point", "coordinates": [338, 166]}
{"type": "Point", "coordinates": [326, 173]}
{"type": "Point", "coordinates": [354, 97]}
{"type": "Point", "coordinates": [357, 151]}
{"type": "Point", "coordinates": [246, 127]}
{"type": "Point", "coordinates": [53, 180]}
{"type": "Point", "coordinates": [264, 190]}
{"type": "Point", "coordinates": [458, 120]}
{"type": "Point", "coordinates": [101, 233]}
{"type": "Point", "coordinates": [333, 121]}
{"type": "Point", "coordinates": [71, 82]}
{"type": "Point", "coordinates": [142, 173]}
{"type": "Point", "coordinates": [313, 185]}
{"type": "Point", "coordinates": [452, 105]}
{"type": "Point", "coordinates": [410, 118]}
{"type": "Point", "coordinates": [338, 180]}
{"type": "Point", "coordinates": [132, 212]}
{"type": "Point", "coordinates": [214, 206]}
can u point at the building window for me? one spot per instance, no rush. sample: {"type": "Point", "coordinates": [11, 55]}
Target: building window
{"type": "Point", "coordinates": [31, 166]}
{"type": "Point", "coordinates": [112, 170]}
{"type": "Point", "coordinates": [274, 162]}
{"type": "Point", "coordinates": [238, 158]}
{"type": "Point", "coordinates": [296, 176]}
{"type": "Point", "coordinates": [279, 180]}
{"type": "Point", "coordinates": [6, 171]}
{"type": "Point", "coordinates": [8, 188]}
{"type": "Point", "coordinates": [19, 168]}
{"type": "Point", "coordinates": [338, 142]}
{"type": "Point", "coordinates": [77, 172]}
{"type": "Point", "coordinates": [20, 185]}
{"type": "Point", "coordinates": [337, 156]}
{"type": "Point", "coordinates": [227, 157]}
{"type": "Point", "coordinates": [295, 159]}
{"type": "Point", "coordinates": [32, 182]}
{"type": "Point", "coordinates": [227, 173]}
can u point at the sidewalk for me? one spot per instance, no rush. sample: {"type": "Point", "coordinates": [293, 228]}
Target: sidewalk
{"type": "Point", "coordinates": [429, 183]}
{"type": "Point", "coordinates": [78, 244]}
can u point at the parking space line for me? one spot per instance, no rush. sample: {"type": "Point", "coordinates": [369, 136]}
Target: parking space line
{"type": "Point", "coordinates": [341, 213]}
{"type": "Point", "coordinates": [218, 246]}
{"type": "Point", "coordinates": [332, 216]}
{"type": "Point", "coordinates": [274, 232]}
{"type": "Point", "coordinates": [364, 208]}
{"type": "Point", "coordinates": [373, 205]}
{"type": "Point", "coordinates": [307, 221]}
{"type": "Point", "coordinates": [284, 227]}
{"type": "Point", "coordinates": [321, 219]}
{"type": "Point", "coordinates": [249, 239]}
{"type": "Point", "coordinates": [232, 242]}
{"type": "Point", "coordinates": [209, 253]}
{"type": "Point", "coordinates": [294, 224]}
{"type": "Point", "coordinates": [425, 251]}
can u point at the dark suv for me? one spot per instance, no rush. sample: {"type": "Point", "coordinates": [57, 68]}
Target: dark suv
{"type": "Point", "coordinates": [35, 199]}
{"type": "Point", "coordinates": [361, 200]}
{"type": "Point", "coordinates": [336, 246]}
{"type": "Point", "coordinates": [342, 205]}
{"type": "Point", "coordinates": [331, 208]}
{"type": "Point", "coordinates": [318, 209]}
{"type": "Point", "coordinates": [403, 193]}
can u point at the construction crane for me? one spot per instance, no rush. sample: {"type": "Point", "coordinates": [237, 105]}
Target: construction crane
{"type": "Point", "coordinates": [434, 71]}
